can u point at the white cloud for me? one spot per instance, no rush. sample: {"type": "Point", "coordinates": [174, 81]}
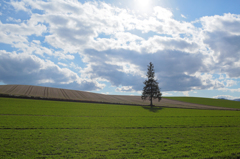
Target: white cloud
{"type": "Point", "coordinates": [157, 43]}
{"type": "Point", "coordinates": [172, 74]}
{"type": "Point", "coordinates": [62, 55]}
{"type": "Point", "coordinates": [29, 69]}
{"type": "Point", "coordinates": [226, 97]}
{"type": "Point", "coordinates": [10, 19]}
{"type": "Point", "coordinates": [162, 13]}
{"type": "Point", "coordinates": [19, 5]}
{"type": "Point", "coordinates": [72, 29]}
{"type": "Point", "coordinates": [209, 82]}
{"type": "Point", "coordinates": [183, 16]}
{"type": "Point", "coordinates": [62, 64]}
{"type": "Point", "coordinates": [125, 89]}
{"type": "Point", "coordinates": [230, 83]}
{"type": "Point", "coordinates": [185, 57]}
{"type": "Point", "coordinates": [166, 94]}
{"type": "Point", "coordinates": [228, 22]}
{"type": "Point", "coordinates": [17, 33]}
{"type": "Point", "coordinates": [105, 93]}
{"type": "Point", "coordinates": [230, 89]}
{"type": "Point", "coordinates": [222, 35]}
{"type": "Point", "coordinates": [186, 93]}
{"type": "Point", "coordinates": [75, 66]}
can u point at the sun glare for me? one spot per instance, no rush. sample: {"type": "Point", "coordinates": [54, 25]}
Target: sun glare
{"type": "Point", "coordinates": [142, 5]}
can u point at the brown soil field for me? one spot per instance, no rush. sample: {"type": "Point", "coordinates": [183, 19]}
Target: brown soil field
{"type": "Point", "coordinates": [38, 92]}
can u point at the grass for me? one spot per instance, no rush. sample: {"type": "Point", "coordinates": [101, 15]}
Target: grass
{"type": "Point", "coordinates": [208, 101]}
{"type": "Point", "coordinates": [50, 129]}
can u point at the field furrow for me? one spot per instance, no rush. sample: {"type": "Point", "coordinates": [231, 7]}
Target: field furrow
{"type": "Point", "coordinates": [11, 89]}
{"type": "Point", "coordinates": [68, 95]}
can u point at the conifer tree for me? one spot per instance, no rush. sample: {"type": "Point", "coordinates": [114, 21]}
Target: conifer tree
{"type": "Point", "coordinates": [151, 90]}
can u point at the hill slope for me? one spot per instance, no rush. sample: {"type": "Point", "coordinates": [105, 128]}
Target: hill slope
{"type": "Point", "coordinates": [81, 96]}
{"type": "Point", "coordinates": [208, 101]}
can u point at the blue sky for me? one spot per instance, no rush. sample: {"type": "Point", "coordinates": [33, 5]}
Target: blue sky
{"type": "Point", "coordinates": [105, 46]}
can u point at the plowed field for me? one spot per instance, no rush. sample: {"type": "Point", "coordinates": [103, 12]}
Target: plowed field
{"type": "Point", "coordinates": [65, 94]}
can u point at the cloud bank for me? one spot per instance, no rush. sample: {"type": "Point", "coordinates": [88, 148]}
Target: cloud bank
{"type": "Point", "coordinates": [116, 45]}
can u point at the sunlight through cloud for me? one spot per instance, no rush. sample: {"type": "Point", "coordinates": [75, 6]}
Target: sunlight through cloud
{"type": "Point", "coordinates": [143, 6]}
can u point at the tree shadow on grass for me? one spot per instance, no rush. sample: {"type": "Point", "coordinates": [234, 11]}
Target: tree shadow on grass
{"type": "Point", "coordinates": [152, 109]}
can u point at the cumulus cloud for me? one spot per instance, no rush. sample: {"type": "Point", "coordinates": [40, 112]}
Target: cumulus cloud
{"type": "Point", "coordinates": [157, 43]}
{"type": "Point", "coordinates": [226, 97]}
{"type": "Point", "coordinates": [183, 16]}
{"type": "Point", "coordinates": [62, 64]}
{"type": "Point", "coordinates": [230, 83]}
{"type": "Point", "coordinates": [29, 69]}
{"type": "Point", "coordinates": [171, 73]}
{"type": "Point", "coordinates": [230, 89]}
{"type": "Point", "coordinates": [222, 35]}
{"type": "Point", "coordinates": [186, 93]}
{"type": "Point", "coordinates": [125, 89]}
{"type": "Point", "coordinates": [166, 94]}
{"type": "Point", "coordinates": [162, 13]}
{"type": "Point", "coordinates": [185, 57]}
{"type": "Point", "coordinates": [74, 25]}
{"type": "Point", "coordinates": [10, 19]}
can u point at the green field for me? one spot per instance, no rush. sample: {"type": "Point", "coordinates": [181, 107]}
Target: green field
{"type": "Point", "coordinates": [208, 101]}
{"type": "Point", "coordinates": [50, 129]}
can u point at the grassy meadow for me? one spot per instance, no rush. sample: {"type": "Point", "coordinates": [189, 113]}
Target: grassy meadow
{"type": "Point", "coordinates": [208, 101]}
{"type": "Point", "coordinates": [53, 129]}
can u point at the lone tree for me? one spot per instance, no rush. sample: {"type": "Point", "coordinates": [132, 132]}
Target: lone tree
{"type": "Point", "coordinates": [151, 89]}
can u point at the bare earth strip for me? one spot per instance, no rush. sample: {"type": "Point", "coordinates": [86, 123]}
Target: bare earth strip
{"type": "Point", "coordinates": [81, 96]}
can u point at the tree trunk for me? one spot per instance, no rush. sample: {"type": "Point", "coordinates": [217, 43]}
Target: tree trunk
{"type": "Point", "coordinates": [151, 94]}
{"type": "Point", "coordinates": [151, 102]}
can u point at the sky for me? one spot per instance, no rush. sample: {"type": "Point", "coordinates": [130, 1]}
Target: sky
{"type": "Point", "coordinates": [105, 46]}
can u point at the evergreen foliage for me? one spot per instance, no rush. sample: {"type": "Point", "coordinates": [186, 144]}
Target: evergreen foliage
{"type": "Point", "coordinates": [151, 89]}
